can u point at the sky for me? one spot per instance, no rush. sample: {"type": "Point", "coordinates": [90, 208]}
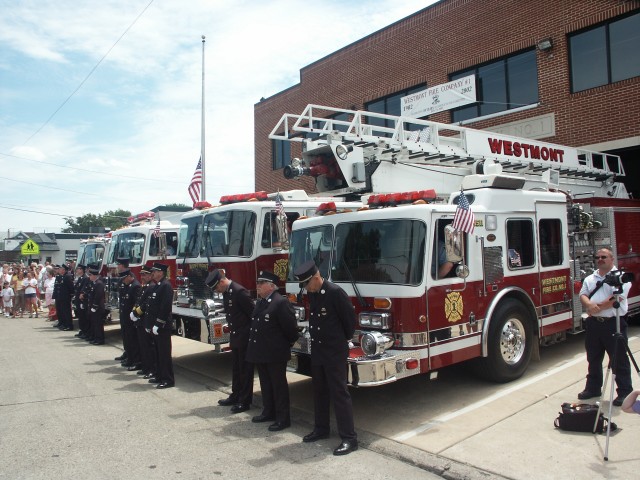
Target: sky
{"type": "Point", "coordinates": [100, 101]}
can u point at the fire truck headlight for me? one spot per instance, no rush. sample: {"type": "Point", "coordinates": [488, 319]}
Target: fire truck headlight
{"type": "Point", "coordinates": [365, 320]}
{"type": "Point", "coordinates": [208, 307]}
{"type": "Point", "coordinates": [375, 320]}
{"type": "Point", "coordinates": [375, 343]}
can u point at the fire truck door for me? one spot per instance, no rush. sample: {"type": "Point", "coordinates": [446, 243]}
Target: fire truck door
{"type": "Point", "coordinates": [554, 287]}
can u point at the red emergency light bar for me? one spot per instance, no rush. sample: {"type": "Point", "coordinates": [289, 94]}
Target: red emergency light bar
{"type": "Point", "coordinates": [325, 208]}
{"type": "Point", "coordinates": [243, 197]}
{"type": "Point", "coordinates": [201, 205]}
{"type": "Point", "coordinates": [140, 217]}
{"type": "Point", "coordinates": [403, 198]}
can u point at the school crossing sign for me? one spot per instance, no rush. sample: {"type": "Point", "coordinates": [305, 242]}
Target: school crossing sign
{"type": "Point", "coordinates": [30, 248]}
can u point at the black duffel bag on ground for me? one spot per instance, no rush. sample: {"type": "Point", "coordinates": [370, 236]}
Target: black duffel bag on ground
{"type": "Point", "coordinates": [580, 417]}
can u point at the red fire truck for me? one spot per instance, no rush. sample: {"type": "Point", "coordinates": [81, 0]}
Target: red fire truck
{"type": "Point", "coordinates": [428, 295]}
{"type": "Point", "coordinates": [147, 238]}
{"type": "Point", "coordinates": [242, 235]}
{"type": "Point", "coordinates": [94, 251]}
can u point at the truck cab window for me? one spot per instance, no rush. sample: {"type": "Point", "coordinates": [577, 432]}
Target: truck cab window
{"type": "Point", "coordinates": [441, 267]}
{"type": "Point", "coordinates": [520, 244]}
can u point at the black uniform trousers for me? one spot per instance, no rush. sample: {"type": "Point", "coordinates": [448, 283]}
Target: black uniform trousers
{"type": "Point", "coordinates": [147, 350]}
{"type": "Point", "coordinates": [130, 341]}
{"type": "Point", "coordinates": [330, 386]}
{"type": "Point", "coordinates": [63, 310]}
{"type": "Point", "coordinates": [165, 362]}
{"type": "Point", "coordinates": [598, 339]}
{"type": "Point", "coordinates": [83, 321]}
{"type": "Point", "coordinates": [242, 377]}
{"type": "Point", "coordinates": [275, 390]}
{"type": "Point", "coordinates": [97, 325]}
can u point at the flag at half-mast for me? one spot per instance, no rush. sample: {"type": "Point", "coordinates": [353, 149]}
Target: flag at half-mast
{"type": "Point", "coordinates": [195, 187]}
{"type": "Point", "coordinates": [464, 219]}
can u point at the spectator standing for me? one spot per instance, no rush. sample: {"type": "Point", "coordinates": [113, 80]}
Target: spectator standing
{"type": "Point", "coordinates": [30, 285]}
{"type": "Point", "coordinates": [7, 299]}
{"type": "Point", "coordinates": [18, 289]}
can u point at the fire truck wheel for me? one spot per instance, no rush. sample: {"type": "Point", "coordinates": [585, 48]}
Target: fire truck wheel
{"type": "Point", "coordinates": [509, 343]}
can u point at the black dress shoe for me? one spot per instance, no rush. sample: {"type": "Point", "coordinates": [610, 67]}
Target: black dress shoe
{"type": "Point", "coordinates": [347, 446]}
{"type": "Point", "coordinates": [162, 385]}
{"type": "Point", "coordinates": [79, 335]}
{"type": "Point", "coordinates": [617, 402]}
{"type": "Point", "coordinates": [66, 329]}
{"type": "Point", "coordinates": [147, 376]}
{"type": "Point", "coordinates": [241, 407]}
{"type": "Point", "coordinates": [142, 372]}
{"type": "Point", "coordinates": [154, 380]}
{"type": "Point", "coordinates": [262, 418]}
{"type": "Point", "coordinates": [313, 436]}
{"type": "Point", "coordinates": [133, 368]}
{"type": "Point", "coordinates": [225, 402]}
{"type": "Point", "coordinates": [127, 364]}
{"type": "Point", "coordinates": [585, 394]}
{"type": "Point", "coordinates": [121, 357]}
{"type": "Point", "coordinates": [277, 426]}
{"type": "Point", "coordinates": [97, 342]}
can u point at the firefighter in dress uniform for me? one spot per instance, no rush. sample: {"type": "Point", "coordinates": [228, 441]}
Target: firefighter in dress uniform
{"type": "Point", "coordinates": [96, 305]}
{"type": "Point", "coordinates": [63, 290]}
{"type": "Point", "coordinates": [238, 306]}
{"type": "Point", "coordinates": [144, 324]}
{"type": "Point", "coordinates": [127, 300]}
{"type": "Point", "coordinates": [159, 311]}
{"type": "Point", "coordinates": [79, 301]}
{"type": "Point", "coordinates": [122, 264]}
{"type": "Point", "coordinates": [273, 331]}
{"type": "Point", "coordinates": [332, 322]}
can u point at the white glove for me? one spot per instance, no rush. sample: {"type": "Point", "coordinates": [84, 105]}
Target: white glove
{"type": "Point", "coordinates": [93, 310]}
{"type": "Point", "coordinates": [82, 306]}
{"type": "Point", "coordinates": [133, 317]}
{"type": "Point", "coordinates": [147, 330]}
{"type": "Point", "coordinates": [155, 330]}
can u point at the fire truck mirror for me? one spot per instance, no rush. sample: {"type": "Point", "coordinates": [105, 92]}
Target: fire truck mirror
{"type": "Point", "coordinates": [462, 271]}
{"type": "Point", "coordinates": [454, 243]}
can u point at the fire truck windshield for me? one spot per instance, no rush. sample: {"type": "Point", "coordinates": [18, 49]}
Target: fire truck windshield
{"type": "Point", "coordinates": [380, 251]}
{"type": "Point", "coordinates": [127, 245]}
{"type": "Point", "coordinates": [189, 237]}
{"type": "Point", "coordinates": [91, 253]}
{"type": "Point", "coordinates": [228, 233]}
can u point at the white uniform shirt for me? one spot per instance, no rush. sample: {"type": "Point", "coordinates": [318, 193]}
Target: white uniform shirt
{"type": "Point", "coordinates": [604, 293]}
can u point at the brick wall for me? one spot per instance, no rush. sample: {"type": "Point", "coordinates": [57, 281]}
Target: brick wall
{"type": "Point", "coordinates": [450, 36]}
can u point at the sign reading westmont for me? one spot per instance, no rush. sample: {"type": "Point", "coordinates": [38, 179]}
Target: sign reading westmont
{"type": "Point", "coordinates": [439, 98]}
{"type": "Point", "coordinates": [30, 248]}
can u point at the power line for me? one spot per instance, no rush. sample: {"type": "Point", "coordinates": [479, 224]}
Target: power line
{"type": "Point", "coordinates": [149, 179]}
{"type": "Point", "coordinates": [47, 186]}
{"type": "Point", "coordinates": [90, 73]}
{"type": "Point", "coordinates": [36, 211]}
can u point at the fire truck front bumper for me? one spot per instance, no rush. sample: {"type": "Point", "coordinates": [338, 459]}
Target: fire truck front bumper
{"type": "Point", "coordinates": [385, 368]}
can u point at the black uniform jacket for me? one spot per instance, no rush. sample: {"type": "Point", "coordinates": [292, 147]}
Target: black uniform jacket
{"type": "Point", "coordinates": [238, 306]}
{"type": "Point", "coordinates": [273, 330]}
{"type": "Point", "coordinates": [63, 288]}
{"type": "Point", "coordinates": [96, 298]}
{"type": "Point", "coordinates": [79, 288]}
{"type": "Point", "coordinates": [160, 302]}
{"type": "Point", "coordinates": [143, 303]}
{"type": "Point", "coordinates": [332, 321]}
{"type": "Point", "coordinates": [128, 299]}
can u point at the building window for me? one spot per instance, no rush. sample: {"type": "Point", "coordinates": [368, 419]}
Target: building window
{"type": "Point", "coordinates": [391, 106]}
{"type": "Point", "coordinates": [605, 54]}
{"type": "Point", "coordinates": [281, 154]}
{"type": "Point", "coordinates": [508, 83]}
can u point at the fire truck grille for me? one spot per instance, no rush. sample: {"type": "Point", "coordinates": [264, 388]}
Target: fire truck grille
{"type": "Point", "coordinates": [199, 290]}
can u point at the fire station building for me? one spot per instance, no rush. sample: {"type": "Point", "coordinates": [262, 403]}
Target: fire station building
{"type": "Point", "coordinates": [564, 71]}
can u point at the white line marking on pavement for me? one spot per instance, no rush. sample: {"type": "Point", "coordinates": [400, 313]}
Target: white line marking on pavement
{"type": "Point", "coordinates": [496, 396]}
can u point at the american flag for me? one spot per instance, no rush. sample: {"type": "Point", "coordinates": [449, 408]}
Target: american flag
{"type": "Point", "coordinates": [279, 206]}
{"type": "Point", "coordinates": [464, 219]}
{"type": "Point", "coordinates": [156, 231]}
{"type": "Point", "coordinates": [196, 183]}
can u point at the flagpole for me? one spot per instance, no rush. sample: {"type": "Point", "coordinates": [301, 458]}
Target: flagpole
{"type": "Point", "coordinates": [203, 191]}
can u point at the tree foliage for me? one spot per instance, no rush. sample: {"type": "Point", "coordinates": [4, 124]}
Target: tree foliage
{"type": "Point", "coordinates": [111, 219]}
{"type": "Point", "coordinates": [178, 205]}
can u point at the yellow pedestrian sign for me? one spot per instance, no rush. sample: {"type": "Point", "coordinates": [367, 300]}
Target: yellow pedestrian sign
{"type": "Point", "coordinates": [30, 248]}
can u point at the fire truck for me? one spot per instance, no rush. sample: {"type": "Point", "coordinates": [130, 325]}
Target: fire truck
{"type": "Point", "coordinates": [242, 235]}
{"type": "Point", "coordinates": [94, 251]}
{"type": "Point", "coordinates": [148, 237]}
{"type": "Point", "coordinates": [426, 294]}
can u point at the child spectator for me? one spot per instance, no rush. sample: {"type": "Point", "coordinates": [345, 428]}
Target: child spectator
{"type": "Point", "coordinates": [7, 299]}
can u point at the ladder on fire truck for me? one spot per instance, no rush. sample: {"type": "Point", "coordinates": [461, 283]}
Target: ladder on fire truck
{"type": "Point", "coordinates": [401, 139]}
